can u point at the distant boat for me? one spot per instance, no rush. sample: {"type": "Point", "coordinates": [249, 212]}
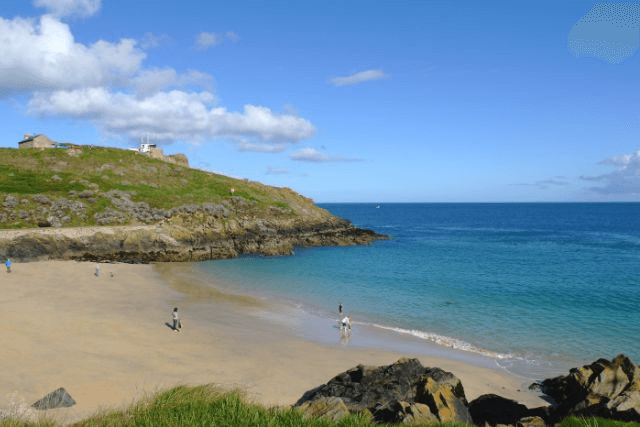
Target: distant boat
{"type": "Point", "coordinates": [378, 206]}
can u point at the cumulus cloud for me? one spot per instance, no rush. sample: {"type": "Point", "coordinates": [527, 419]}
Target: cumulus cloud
{"type": "Point", "coordinates": [313, 155]}
{"type": "Point", "coordinates": [206, 40]}
{"type": "Point", "coordinates": [154, 80]}
{"type": "Point", "coordinates": [360, 77]}
{"type": "Point", "coordinates": [42, 55]}
{"type": "Point", "coordinates": [61, 8]}
{"type": "Point", "coordinates": [261, 147]}
{"type": "Point", "coordinates": [256, 120]}
{"type": "Point", "coordinates": [168, 116]}
{"type": "Point", "coordinates": [105, 83]}
{"type": "Point", "coordinates": [623, 181]}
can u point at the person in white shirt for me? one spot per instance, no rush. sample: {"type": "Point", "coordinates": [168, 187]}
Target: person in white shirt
{"type": "Point", "coordinates": [346, 322]}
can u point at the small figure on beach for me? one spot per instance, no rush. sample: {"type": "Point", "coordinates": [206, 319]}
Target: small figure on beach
{"type": "Point", "coordinates": [345, 336]}
{"type": "Point", "coordinates": [97, 270]}
{"type": "Point", "coordinates": [8, 265]}
{"type": "Point", "coordinates": [340, 310]}
{"type": "Point", "coordinates": [176, 320]}
{"type": "Point", "coordinates": [346, 323]}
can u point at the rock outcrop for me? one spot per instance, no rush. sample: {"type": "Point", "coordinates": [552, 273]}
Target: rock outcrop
{"type": "Point", "coordinates": [607, 389]}
{"type": "Point", "coordinates": [493, 410]}
{"type": "Point", "coordinates": [59, 398]}
{"type": "Point", "coordinates": [183, 237]}
{"type": "Point", "coordinates": [404, 392]}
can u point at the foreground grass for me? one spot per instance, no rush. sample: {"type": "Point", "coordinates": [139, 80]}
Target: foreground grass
{"type": "Point", "coordinates": [202, 406]}
{"type": "Point", "coordinates": [205, 406]}
{"type": "Point", "coordinates": [595, 422]}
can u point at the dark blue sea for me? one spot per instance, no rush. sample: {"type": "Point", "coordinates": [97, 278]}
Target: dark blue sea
{"type": "Point", "coordinates": [537, 287]}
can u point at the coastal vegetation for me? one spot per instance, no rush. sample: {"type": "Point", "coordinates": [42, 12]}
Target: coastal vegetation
{"type": "Point", "coordinates": [206, 406]}
{"type": "Point", "coordinates": [74, 186]}
{"type": "Point", "coordinates": [106, 204]}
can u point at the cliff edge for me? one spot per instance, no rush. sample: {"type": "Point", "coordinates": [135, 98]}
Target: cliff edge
{"type": "Point", "coordinates": [102, 204]}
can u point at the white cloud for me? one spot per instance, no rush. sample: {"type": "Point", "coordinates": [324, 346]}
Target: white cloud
{"type": "Point", "coordinates": [154, 80]}
{"type": "Point", "coordinates": [268, 126]}
{"type": "Point", "coordinates": [44, 55]}
{"type": "Point", "coordinates": [168, 116]}
{"type": "Point", "coordinates": [360, 77]}
{"type": "Point", "coordinates": [231, 36]}
{"type": "Point", "coordinates": [153, 41]}
{"type": "Point", "coordinates": [261, 147]}
{"type": "Point", "coordinates": [625, 180]}
{"type": "Point", "coordinates": [70, 7]}
{"type": "Point", "coordinates": [276, 171]}
{"type": "Point", "coordinates": [105, 83]}
{"type": "Point", "coordinates": [206, 40]}
{"type": "Point", "coordinates": [313, 155]}
{"type": "Point", "coordinates": [309, 155]}
{"type": "Point", "coordinates": [545, 183]}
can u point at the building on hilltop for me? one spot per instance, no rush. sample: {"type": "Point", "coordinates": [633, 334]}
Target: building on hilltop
{"type": "Point", "coordinates": [154, 152]}
{"type": "Point", "coordinates": [36, 141]}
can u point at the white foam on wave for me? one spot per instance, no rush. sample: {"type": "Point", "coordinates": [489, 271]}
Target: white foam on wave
{"type": "Point", "coordinates": [446, 341]}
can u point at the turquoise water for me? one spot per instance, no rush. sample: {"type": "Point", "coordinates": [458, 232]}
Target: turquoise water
{"type": "Point", "coordinates": [538, 287]}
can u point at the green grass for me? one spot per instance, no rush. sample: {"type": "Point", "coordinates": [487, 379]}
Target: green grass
{"type": "Point", "coordinates": [55, 172]}
{"type": "Point", "coordinates": [206, 406]}
{"type": "Point", "coordinates": [595, 422]}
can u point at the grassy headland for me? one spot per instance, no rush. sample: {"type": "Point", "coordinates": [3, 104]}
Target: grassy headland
{"type": "Point", "coordinates": [75, 186]}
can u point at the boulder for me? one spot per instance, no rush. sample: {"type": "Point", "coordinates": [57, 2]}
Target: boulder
{"type": "Point", "coordinates": [56, 399]}
{"type": "Point", "coordinates": [328, 407]}
{"type": "Point", "coordinates": [607, 389]}
{"type": "Point", "coordinates": [396, 412]}
{"type": "Point", "coordinates": [493, 410]}
{"type": "Point", "coordinates": [531, 422]}
{"type": "Point", "coordinates": [403, 392]}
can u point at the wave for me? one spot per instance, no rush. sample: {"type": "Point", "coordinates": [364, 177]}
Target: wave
{"type": "Point", "coordinates": [445, 341]}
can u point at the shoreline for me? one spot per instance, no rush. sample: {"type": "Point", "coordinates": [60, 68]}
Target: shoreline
{"type": "Point", "coordinates": [105, 339]}
{"type": "Point", "coordinates": [372, 333]}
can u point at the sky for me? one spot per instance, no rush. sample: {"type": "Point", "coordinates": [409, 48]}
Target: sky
{"type": "Point", "coordinates": [343, 101]}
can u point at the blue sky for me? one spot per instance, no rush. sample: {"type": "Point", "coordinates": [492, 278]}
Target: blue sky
{"type": "Point", "coordinates": [343, 101]}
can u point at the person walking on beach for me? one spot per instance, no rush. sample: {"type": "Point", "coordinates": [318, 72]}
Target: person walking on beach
{"type": "Point", "coordinates": [8, 265]}
{"type": "Point", "coordinates": [346, 323]}
{"type": "Point", "coordinates": [176, 320]}
{"type": "Point", "coordinates": [340, 310]}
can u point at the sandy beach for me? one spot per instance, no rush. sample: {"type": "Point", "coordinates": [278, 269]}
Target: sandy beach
{"type": "Point", "coordinates": [107, 341]}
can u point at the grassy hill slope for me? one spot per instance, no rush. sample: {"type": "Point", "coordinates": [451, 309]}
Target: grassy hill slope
{"type": "Point", "coordinates": [85, 181]}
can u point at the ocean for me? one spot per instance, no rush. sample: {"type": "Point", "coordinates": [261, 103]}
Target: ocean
{"type": "Point", "coordinates": [534, 288]}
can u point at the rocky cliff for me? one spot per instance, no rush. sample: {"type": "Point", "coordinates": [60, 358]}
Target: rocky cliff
{"type": "Point", "coordinates": [105, 204]}
{"type": "Point", "coordinates": [190, 233]}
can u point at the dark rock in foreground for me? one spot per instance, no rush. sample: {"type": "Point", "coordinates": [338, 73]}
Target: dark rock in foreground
{"type": "Point", "coordinates": [491, 409]}
{"type": "Point", "coordinates": [407, 392]}
{"type": "Point", "coordinates": [56, 399]}
{"type": "Point", "coordinates": [607, 389]}
{"type": "Point", "coordinates": [404, 392]}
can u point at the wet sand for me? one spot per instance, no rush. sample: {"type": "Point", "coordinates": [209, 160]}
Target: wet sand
{"type": "Point", "coordinates": [106, 339]}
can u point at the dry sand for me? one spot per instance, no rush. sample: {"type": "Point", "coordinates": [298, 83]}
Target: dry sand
{"type": "Point", "coordinates": [106, 341]}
